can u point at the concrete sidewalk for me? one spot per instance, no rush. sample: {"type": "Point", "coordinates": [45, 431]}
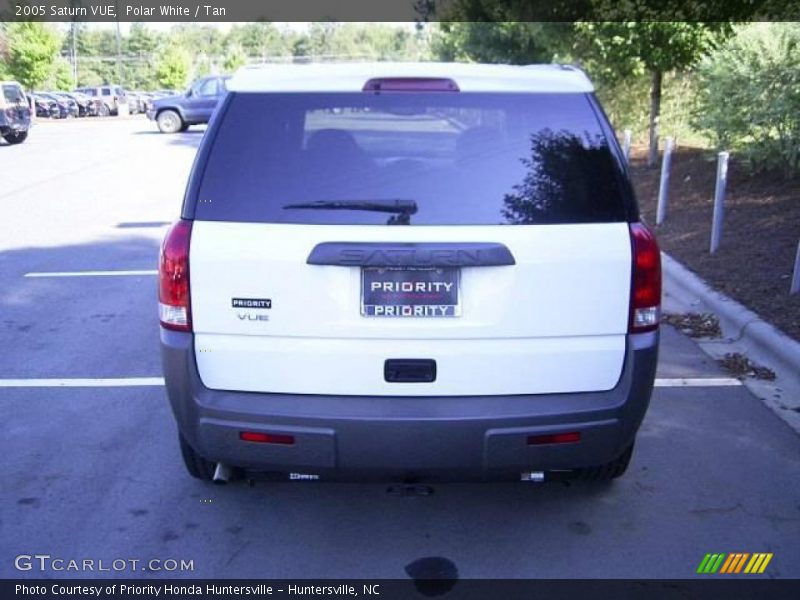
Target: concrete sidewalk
{"type": "Point", "coordinates": [744, 332]}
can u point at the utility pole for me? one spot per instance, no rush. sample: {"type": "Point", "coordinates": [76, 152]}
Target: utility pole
{"type": "Point", "coordinates": [74, 44]}
{"type": "Point", "coordinates": [119, 47]}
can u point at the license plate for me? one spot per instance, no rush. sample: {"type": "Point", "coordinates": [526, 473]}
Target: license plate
{"type": "Point", "coordinates": [409, 292]}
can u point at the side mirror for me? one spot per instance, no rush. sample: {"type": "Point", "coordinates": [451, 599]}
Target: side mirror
{"type": "Point", "coordinates": [189, 93]}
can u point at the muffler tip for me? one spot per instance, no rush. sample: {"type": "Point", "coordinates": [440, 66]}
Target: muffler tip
{"type": "Point", "coordinates": [222, 474]}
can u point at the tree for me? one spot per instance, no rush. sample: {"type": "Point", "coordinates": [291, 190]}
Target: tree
{"type": "Point", "coordinates": [749, 96]}
{"type": "Point", "coordinates": [234, 59]}
{"type": "Point", "coordinates": [32, 51]}
{"type": "Point", "coordinates": [504, 42]}
{"type": "Point", "coordinates": [140, 40]}
{"type": "Point", "coordinates": [614, 50]}
{"type": "Point", "coordinates": [262, 40]}
{"type": "Point", "coordinates": [173, 67]}
{"type": "Point", "coordinates": [61, 76]}
{"type": "Point", "coordinates": [610, 47]}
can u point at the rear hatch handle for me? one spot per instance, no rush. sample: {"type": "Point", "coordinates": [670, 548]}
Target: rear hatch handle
{"type": "Point", "coordinates": [411, 254]}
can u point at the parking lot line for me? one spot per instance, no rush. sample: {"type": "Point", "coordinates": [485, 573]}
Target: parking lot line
{"type": "Point", "coordinates": [159, 381]}
{"type": "Point", "coordinates": [92, 273]}
{"type": "Point", "coordinates": [698, 382]}
{"type": "Point", "coordinates": [105, 382]}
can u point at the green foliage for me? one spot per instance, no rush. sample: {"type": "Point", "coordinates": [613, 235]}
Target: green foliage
{"type": "Point", "coordinates": [626, 101]}
{"type": "Point", "coordinates": [261, 40]}
{"type": "Point", "coordinates": [507, 42]}
{"type": "Point", "coordinates": [172, 69]}
{"type": "Point", "coordinates": [618, 50]}
{"type": "Point", "coordinates": [32, 52]}
{"type": "Point", "coordinates": [749, 96]}
{"type": "Point", "coordinates": [140, 40]}
{"type": "Point", "coordinates": [61, 76]}
{"type": "Point", "coordinates": [234, 59]}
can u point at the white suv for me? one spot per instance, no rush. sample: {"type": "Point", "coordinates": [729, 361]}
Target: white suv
{"type": "Point", "coordinates": [409, 271]}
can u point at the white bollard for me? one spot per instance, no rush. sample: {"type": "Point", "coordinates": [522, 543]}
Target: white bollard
{"type": "Point", "coordinates": [796, 277]}
{"type": "Point", "coordinates": [719, 201]}
{"type": "Point", "coordinates": [626, 146]}
{"type": "Point", "coordinates": [663, 188]}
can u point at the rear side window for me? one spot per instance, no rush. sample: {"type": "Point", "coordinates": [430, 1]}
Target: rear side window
{"type": "Point", "coordinates": [13, 94]}
{"type": "Point", "coordinates": [206, 88]}
{"type": "Point", "coordinates": [460, 158]}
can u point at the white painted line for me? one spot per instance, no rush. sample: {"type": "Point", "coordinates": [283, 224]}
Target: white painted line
{"type": "Point", "coordinates": [698, 382]}
{"type": "Point", "coordinates": [119, 382]}
{"type": "Point", "coordinates": [91, 273]}
{"type": "Point", "coordinates": [159, 381]}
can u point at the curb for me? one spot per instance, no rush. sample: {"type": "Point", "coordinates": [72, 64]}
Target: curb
{"type": "Point", "coordinates": [766, 343]}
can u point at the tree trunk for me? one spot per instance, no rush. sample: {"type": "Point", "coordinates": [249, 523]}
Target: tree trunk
{"type": "Point", "coordinates": [655, 116]}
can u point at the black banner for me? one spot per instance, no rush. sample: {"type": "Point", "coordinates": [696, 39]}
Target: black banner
{"type": "Point", "coordinates": [398, 10]}
{"type": "Point", "coordinates": [733, 588]}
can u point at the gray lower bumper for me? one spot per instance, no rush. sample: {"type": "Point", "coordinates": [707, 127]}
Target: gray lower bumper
{"type": "Point", "coordinates": [452, 436]}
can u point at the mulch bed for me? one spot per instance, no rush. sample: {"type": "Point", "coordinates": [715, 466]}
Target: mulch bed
{"type": "Point", "coordinates": [760, 233]}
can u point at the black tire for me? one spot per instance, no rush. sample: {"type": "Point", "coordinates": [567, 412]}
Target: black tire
{"type": "Point", "coordinates": [197, 466]}
{"type": "Point", "coordinates": [610, 470]}
{"type": "Point", "coordinates": [169, 121]}
{"type": "Point", "coordinates": [16, 138]}
{"type": "Point", "coordinates": [184, 127]}
{"type": "Point", "coordinates": [103, 110]}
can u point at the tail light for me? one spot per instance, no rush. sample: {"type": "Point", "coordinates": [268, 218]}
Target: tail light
{"type": "Point", "coordinates": [173, 278]}
{"type": "Point", "coordinates": [646, 281]}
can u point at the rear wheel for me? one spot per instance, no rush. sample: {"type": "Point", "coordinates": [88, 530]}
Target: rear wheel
{"type": "Point", "coordinates": [16, 138]}
{"type": "Point", "coordinates": [169, 121]}
{"type": "Point", "coordinates": [197, 466]}
{"type": "Point", "coordinates": [103, 110]}
{"type": "Point", "coordinates": [610, 470]}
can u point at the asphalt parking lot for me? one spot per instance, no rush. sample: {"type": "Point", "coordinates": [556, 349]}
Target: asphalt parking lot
{"type": "Point", "coordinates": [93, 471]}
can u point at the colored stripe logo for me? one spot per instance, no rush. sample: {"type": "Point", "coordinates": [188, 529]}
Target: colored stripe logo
{"type": "Point", "coordinates": [736, 562]}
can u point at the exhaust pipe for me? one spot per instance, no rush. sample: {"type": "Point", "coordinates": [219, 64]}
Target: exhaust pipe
{"type": "Point", "coordinates": [222, 474]}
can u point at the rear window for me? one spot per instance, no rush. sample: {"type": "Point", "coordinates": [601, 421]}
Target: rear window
{"type": "Point", "coordinates": [13, 94]}
{"type": "Point", "coordinates": [460, 158]}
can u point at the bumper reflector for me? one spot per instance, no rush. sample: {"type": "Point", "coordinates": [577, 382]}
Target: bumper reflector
{"type": "Point", "coordinates": [266, 438]}
{"type": "Point", "coordinates": [571, 437]}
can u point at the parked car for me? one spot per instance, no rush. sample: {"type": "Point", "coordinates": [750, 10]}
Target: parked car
{"type": "Point", "coordinates": [67, 106]}
{"type": "Point", "coordinates": [135, 103]}
{"type": "Point", "coordinates": [46, 107]}
{"type": "Point", "coordinates": [407, 271]}
{"type": "Point", "coordinates": [147, 100]}
{"type": "Point", "coordinates": [15, 113]}
{"type": "Point", "coordinates": [86, 106]}
{"type": "Point", "coordinates": [177, 113]}
{"type": "Point", "coordinates": [112, 97]}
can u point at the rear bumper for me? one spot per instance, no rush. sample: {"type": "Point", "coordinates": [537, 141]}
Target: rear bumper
{"type": "Point", "coordinates": [451, 437]}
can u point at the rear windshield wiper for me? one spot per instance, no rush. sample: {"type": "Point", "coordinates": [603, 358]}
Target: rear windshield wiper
{"type": "Point", "coordinates": [403, 209]}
